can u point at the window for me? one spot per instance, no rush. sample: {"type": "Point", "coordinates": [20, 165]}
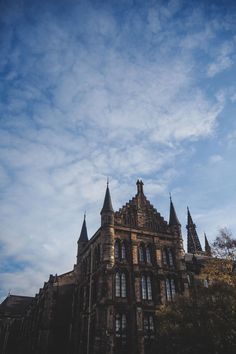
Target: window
{"type": "Point", "coordinates": [141, 254]}
{"type": "Point", "coordinates": [170, 289]}
{"type": "Point", "coordinates": [167, 256]}
{"type": "Point", "coordinates": [123, 251]}
{"type": "Point", "coordinates": [148, 255]}
{"type": "Point", "coordinates": [120, 250]}
{"type": "Point", "coordinates": [121, 325]}
{"type": "Point", "coordinates": [120, 285]}
{"type": "Point", "coordinates": [148, 324]}
{"type": "Point", "coordinates": [145, 254]}
{"type": "Point", "coordinates": [121, 333]}
{"type": "Point", "coordinates": [146, 287]}
{"type": "Point", "coordinates": [117, 249]}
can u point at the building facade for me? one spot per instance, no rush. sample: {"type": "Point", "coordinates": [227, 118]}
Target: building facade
{"type": "Point", "coordinates": [108, 303]}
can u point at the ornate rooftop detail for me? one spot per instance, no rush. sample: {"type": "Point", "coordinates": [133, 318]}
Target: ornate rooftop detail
{"type": "Point", "coordinates": [140, 213]}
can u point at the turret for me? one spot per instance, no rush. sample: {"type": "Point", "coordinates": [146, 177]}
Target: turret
{"type": "Point", "coordinates": [83, 239]}
{"type": "Point", "coordinates": [207, 247]}
{"type": "Point", "coordinates": [193, 242]}
{"type": "Point", "coordinates": [107, 212]}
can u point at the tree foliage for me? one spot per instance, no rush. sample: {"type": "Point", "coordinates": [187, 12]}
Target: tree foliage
{"type": "Point", "coordinates": [205, 322]}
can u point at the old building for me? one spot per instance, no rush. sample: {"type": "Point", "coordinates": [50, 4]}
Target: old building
{"type": "Point", "coordinates": [107, 304]}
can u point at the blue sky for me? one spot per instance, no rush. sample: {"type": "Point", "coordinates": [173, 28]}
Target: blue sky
{"type": "Point", "coordinates": [125, 89]}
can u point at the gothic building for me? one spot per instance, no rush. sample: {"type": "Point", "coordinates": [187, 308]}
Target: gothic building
{"type": "Point", "coordinates": [108, 303]}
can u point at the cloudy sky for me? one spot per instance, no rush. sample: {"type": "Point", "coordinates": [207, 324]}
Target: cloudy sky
{"type": "Point", "coordinates": [121, 88]}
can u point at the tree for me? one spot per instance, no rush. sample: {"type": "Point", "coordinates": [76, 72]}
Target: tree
{"type": "Point", "coordinates": [205, 322]}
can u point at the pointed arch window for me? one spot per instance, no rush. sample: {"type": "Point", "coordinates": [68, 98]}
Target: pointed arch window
{"type": "Point", "coordinates": [146, 287]}
{"type": "Point", "coordinates": [120, 285]}
{"type": "Point", "coordinates": [170, 289]}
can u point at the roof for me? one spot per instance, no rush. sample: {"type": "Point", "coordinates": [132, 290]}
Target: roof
{"type": "Point", "coordinates": [15, 305]}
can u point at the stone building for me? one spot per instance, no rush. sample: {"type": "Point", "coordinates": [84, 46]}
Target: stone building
{"type": "Point", "coordinates": [107, 304]}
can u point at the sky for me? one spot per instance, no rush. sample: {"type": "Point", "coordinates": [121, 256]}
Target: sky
{"type": "Point", "coordinates": [122, 89]}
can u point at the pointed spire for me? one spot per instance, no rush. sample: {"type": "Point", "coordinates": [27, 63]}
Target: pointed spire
{"type": "Point", "coordinates": [190, 220]}
{"type": "Point", "coordinates": [193, 243]}
{"type": "Point", "coordinates": [173, 220]}
{"type": "Point", "coordinates": [83, 234]}
{"type": "Point", "coordinates": [107, 205]}
{"type": "Point", "coordinates": [207, 246]}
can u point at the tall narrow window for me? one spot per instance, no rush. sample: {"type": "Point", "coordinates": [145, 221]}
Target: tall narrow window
{"type": "Point", "coordinates": [123, 251]}
{"type": "Point", "coordinates": [172, 284]}
{"type": "Point", "coordinates": [144, 292]}
{"type": "Point", "coordinates": [164, 258]}
{"type": "Point", "coordinates": [117, 281]}
{"type": "Point", "coordinates": [120, 285]}
{"type": "Point", "coordinates": [120, 324]}
{"type": "Point", "coordinates": [148, 324]}
{"type": "Point", "coordinates": [123, 285]}
{"type": "Point", "coordinates": [146, 287]}
{"type": "Point", "coordinates": [170, 289]}
{"type": "Point", "coordinates": [170, 257]}
{"type": "Point", "coordinates": [149, 288]}
{"type": "Point", "coordinates": [141, 254]}
{"type": "Point", "coordinates": [117, 249]}
{"type": "Point", "coordinates": [148, 255]}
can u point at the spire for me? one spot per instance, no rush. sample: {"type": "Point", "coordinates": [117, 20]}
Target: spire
{"type": "Point", "coordinates": [173, 220]}
{"type": "Point", "coordinates": [193, 243]}
{"type": "Point", "coordinates": [83, 234]}
{"type": "Point", "coordinates": [207, 246]}
{"type": "Point", "coordinates": [107, 205]}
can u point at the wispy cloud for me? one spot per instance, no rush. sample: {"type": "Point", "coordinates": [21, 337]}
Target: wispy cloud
{"type": "Point", "coordinates": [102, 89]}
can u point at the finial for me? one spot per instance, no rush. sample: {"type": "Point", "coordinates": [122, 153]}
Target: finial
{"type": "Point", "coordinates": [170, 196]}
{"type": "Point", "coordinates": [107, 181]}
{"type": "Point", "coordinates": [85, 215]}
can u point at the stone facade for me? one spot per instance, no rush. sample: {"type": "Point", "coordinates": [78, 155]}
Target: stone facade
{"type": "Point", "coordinates": [107, 304]}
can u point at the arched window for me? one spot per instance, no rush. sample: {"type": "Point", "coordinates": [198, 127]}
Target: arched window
{"type": "Point", "coordinates": [141, 254]}
{"type": "Point", "coordinates": [146, 286]}
{"type": "Point", "coordinates": [120, 285]}
{"type": "Point", "coordinates": [123, 251]}
{"type": "Point", "coordinates": [148, 255]}
{"type": "Point", "coordinates": [170, 289]}
{"type": "Point", "coordinates": [117, 249]}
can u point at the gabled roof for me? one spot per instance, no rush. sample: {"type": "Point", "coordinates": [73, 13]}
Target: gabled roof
{"type": "Point", "coordinates": [15, 305]}
{"type": "Point", "coordinates": [140, 213]}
